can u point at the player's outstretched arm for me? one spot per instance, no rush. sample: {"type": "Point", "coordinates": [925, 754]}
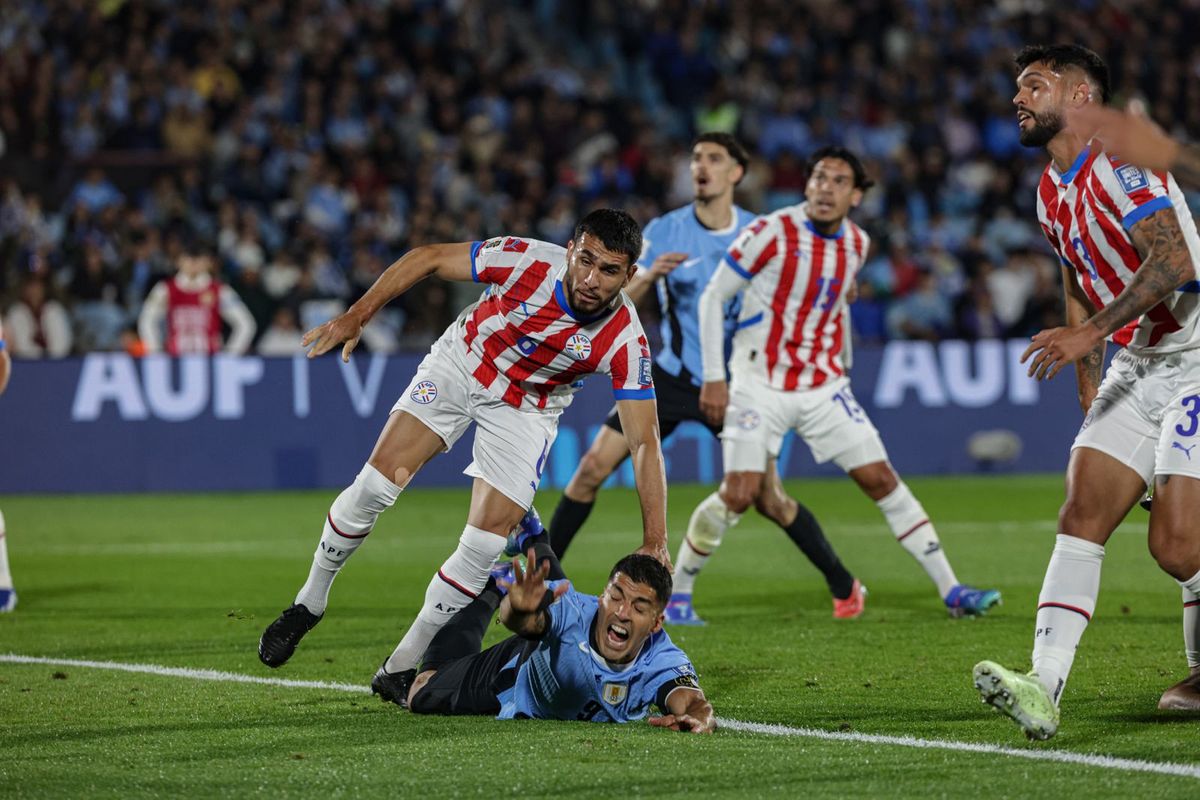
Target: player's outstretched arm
{"type": "Point", "coordinates": [1132, 136]}
{"type": "Point", "coordinates": [523, 610]}
{"type": "Point", "coordinates": [690, 712]}
{"type": "Point", "coordinates": [662, 266]}
{"type": "Point", "coordinates": [450, 262]}
{"type": "Point", "coordinates": [639, 420]}
{"type": "Point", "coordinates": [1166, 265]}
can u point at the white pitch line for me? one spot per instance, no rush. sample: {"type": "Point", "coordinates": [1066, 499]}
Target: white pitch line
{"type": "Point", "coordinates": [184, 672]}
{"type": "Point", "coordinates": [1058, 756]}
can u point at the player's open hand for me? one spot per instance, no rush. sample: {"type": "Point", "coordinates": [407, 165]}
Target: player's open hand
{"type": "Point", "coordinates": [659, 553]}
{"type": "Point", "coordinates": [1129, 135]}
{"type": "Point", "coordinates": [679, 722]}
{"type": "Point", "coordinates": [1053, 349]}
{"type": "Point", "coordinates": [714, 397]}
{"type": "Point", "coordinates": [666, 264]}
{"type": "Point", "coordinates": [527, 589]}
{"type": "Point", "coordinates": [323, 338]}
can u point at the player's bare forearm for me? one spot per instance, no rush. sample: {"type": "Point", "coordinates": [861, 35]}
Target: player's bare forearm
{"type": "Point", "coordinates": [639, 420]}
{"type": "Point", "coordinates": [639, 287]}
{"type": "Point", "coordinates": [689, 712]}
{"type": "Point", "coordinates": [448, 261]}
{"type": "Point", "coordinates": [1090, 368]}
{"type": "Point", "coordinates": [530, 624]}
{"type": "Point", "coordinates": [1166, 265]}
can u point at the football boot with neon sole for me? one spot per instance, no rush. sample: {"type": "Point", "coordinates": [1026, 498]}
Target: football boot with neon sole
{"type": "Point", "coordinates": [679, 611]}
{"type": "Point", "coordinates": [1022, 698]}
{"type": "Point", "coordinates": [967, 601]}
{"type": "Point", "coordinates": [529, 527]}
{"type": "Point", "coordinates": [853, 606]}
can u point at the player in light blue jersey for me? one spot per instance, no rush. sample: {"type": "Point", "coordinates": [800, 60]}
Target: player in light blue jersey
{"type": "Point", "coordinates": [680, 252]}
{"type": "Point", "coordinates": [573, 656]}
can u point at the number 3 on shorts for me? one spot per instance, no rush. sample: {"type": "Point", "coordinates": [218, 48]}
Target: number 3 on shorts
{"type": "Point", "coordinates": [1193, 416]}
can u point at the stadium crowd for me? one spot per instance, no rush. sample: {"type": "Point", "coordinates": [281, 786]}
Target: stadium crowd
{"type": "Point", "coordinates": [308, 143]}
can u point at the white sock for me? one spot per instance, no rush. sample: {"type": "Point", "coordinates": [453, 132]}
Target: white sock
{"type": "Point", "coordinates": [456, 584]}
{"type": "Point", "coordinates": [1065, 607]}
{"type": "Point", "coordinates": [1191, 620]}
{"type": "Point", "coordinates": [915, 533]}
{"type": "Point", "coordinates": [350, 519]}
{"type": "Point", "coordinates": [5, 575]}
{"type": "Point", "coordinates": [705, 530]}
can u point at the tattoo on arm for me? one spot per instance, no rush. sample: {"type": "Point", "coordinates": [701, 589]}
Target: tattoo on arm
{"type": "Point", "coordinates": [1166, 265]}
{"type": "Point", "coordinates": [1187, 164]}
{"type": "Point", "coordinates": [1090, 368]}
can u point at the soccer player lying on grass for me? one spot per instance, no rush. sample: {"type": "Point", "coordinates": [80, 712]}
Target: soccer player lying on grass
{"type": "Point", "coordinates": [573, 656]}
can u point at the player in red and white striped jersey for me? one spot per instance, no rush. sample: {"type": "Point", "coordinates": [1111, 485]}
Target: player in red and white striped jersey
{"type": "Point", "coordinates": [797, 270]}
{"type": "Point", "coordinates": [1128, 249]}
{"type": "Point", "coordinates": [509, 364]}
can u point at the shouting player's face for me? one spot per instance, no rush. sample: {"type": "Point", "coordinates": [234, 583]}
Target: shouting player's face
{"type": "Point", "coordinates": [831, 192]}
{"type": "Point", "coordinates": [628, 613]}
{"type": "Point", "coordinates": [595, 275]}
{"type": "Point", "coordinates": [714, 171]}
{"type": "Point", "coordinates": [1042, 98]}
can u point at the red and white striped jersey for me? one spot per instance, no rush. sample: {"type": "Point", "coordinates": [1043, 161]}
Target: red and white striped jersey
{"type": "Point", "coordinates": [525, 345]}
{"type": "Point", "coordinates": [791, 329]}
{"type": "Point", "coordinates": [1086, 214]}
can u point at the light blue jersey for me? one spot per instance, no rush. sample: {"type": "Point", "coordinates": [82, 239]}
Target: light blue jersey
{"type": "Point", "coordinates": [564, 678]}
{"type": "Point", "coordinates": [679, 231]}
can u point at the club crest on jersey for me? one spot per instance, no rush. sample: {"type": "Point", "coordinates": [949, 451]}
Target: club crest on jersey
{"type": "Point", "coordinates": [1132, 178]}
{"type": "Point", "coordinates": [748, 419]}
{"type": "Point", "coordinates": [578, 346]}
{"type": "Point", "coordinates": [614, 693]}
{"type": "Point", "coordinates": [424, 393]}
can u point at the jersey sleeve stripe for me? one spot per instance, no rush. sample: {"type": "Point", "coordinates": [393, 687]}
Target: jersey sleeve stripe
{"type": "Point", "coordinates": [634, 394]}
{"type": "Point", "coordinates": [475, 252]}
{"type": "Point", "coordinates": [764, 257]}
{"type": "Point", "coordinates": [732, 263]}
{"type": "Point", "coordinates": [1144, 210]}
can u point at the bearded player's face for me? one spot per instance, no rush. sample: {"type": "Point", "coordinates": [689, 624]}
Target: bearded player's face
{"type": "Point", "coordinates": [595, 275]}
{"type": "Point", "coordinates": [1040, 102]}
{"type": "Point", "coordinates": [627, 614]}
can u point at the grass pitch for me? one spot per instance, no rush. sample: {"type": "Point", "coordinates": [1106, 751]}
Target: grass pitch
{"type": "Point", "coordinates": [190, 581]}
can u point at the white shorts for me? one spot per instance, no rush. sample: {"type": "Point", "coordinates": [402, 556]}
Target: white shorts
{"type": "Point", "coordinates": [511, 445]}
{"type": "Point", "coordinates": [1147, 414]}
{"type": "Point", "coordinates": [828, 419]}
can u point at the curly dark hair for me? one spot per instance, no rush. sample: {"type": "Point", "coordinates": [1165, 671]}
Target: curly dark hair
{"type": "Point", "coordinates": [1057, 56]}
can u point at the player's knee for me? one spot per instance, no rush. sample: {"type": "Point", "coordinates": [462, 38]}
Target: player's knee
{"type": "Point", "coordinates": [593, 471]}
{"type": "Point", "coordinates": [1079, 517]}
{"type": "Point", "coordinates": [739, 494]}
{"type": "Point", "coordinates": [1175, 553]}
{"type": "Point", "coordinates": [418, 702]}
{"type": "Point", "coordinates": [876, 480]}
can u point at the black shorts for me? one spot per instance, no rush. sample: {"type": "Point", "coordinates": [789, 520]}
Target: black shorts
{"type": "Point", "coordinates": [678, 401]}
{"type": "Point", "coordinates": [470, 685]}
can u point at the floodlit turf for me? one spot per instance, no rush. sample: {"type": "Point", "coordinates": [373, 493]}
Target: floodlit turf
{"type": "Point", "coordinates": [190, 581]}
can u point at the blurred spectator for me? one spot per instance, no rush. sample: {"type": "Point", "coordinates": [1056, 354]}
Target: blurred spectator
{"type": "Point", "coordinates": [314, 142]}
{"type": "Point", "coordinates": [282, 336]}
{"type": "Point", "coordinates": [37, 325]}
{"type": "Point", "coordinates": [923, 314]}
{"type": "Point", "coordinates": [191, 307]}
